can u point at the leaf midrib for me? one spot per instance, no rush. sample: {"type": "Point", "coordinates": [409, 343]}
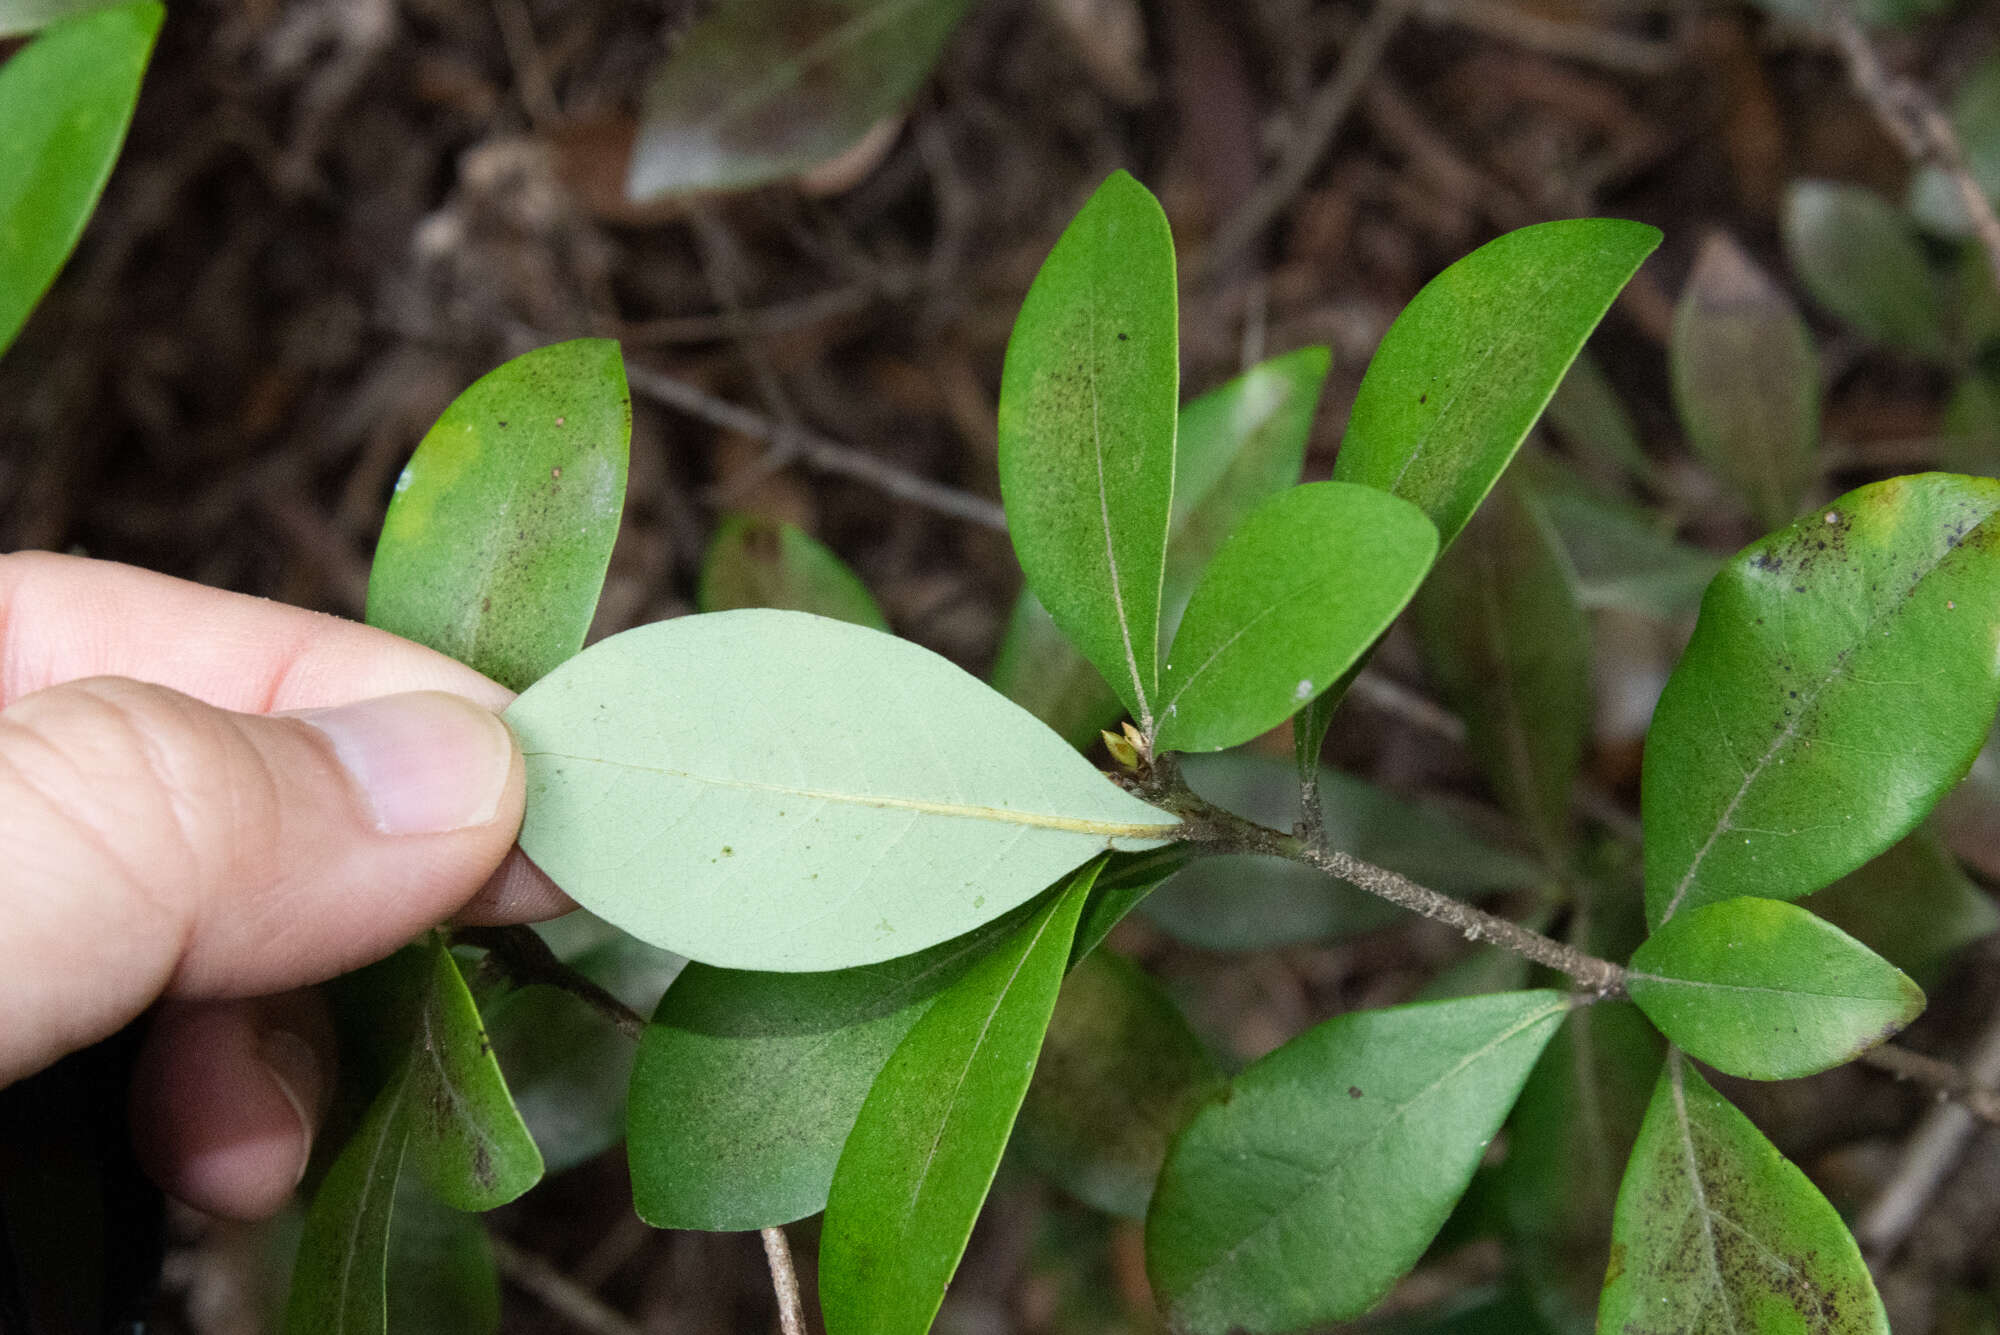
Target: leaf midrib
{"type": "Point", "coordinates": [956, 810]}
{"type": "Point", "coordinates": [1316, 1183]}
{"type": "Point", "coordinates": [1807, 699]}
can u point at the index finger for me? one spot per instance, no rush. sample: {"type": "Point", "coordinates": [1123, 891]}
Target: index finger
{"type": "Point", "coordinates": [64, 618]}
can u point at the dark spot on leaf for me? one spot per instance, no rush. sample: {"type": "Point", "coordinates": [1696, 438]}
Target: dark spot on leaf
{"type": "Point", "coordinates": [1353, 1091]}
{"type": "Point", "coordinates": [1423, 398]}
{"type": "Point", "coordinates": [1121, 338]}
{"type": "Point", "coordinates": [503, 422]}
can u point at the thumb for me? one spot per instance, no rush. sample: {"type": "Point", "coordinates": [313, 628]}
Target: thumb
{"type": "Point", "coordinates": [156, 844]}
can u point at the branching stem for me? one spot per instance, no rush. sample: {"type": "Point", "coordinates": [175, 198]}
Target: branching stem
{"type": "Point", "coordinates": [526, 958]}
{"type": "Point", "coordinates": [1209, 826]}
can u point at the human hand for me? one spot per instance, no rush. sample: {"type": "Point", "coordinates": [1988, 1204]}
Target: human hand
{"type": "Point", "coordinates": [211, 800]}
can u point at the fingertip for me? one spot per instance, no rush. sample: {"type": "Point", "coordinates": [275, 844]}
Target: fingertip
{"type": "Point", "coordinates": [518, 892]}
{"type": "Point", "coordinates": [227, 1098]}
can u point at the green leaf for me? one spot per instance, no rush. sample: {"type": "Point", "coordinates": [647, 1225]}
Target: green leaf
{"type": "Point", "coordinates": [442, 1280]}
{"type": "Point", "coordinates": [1125, 883]}
{"type": "Point", "coordinates": [1302, 1195]}
{"type": "Point", "coordinates": [497, 539]}
{"type": "Point", "coordinates": [1247, 901]}
{"type": "Point", "coordinates": [1587, 412]}
{"type": "Point", "coordinates": [1296, 596]}
{"type": "Point", "coordinates": [1746, 381]}
{"type": "Point", "coordinates": [465, 1136]}
{"type": "Point", "coordinates": [65, 102]}
{"type": "Point", "coordinates": [775, 790]}
{"type": "Point", "coordinates": [761, 90]}
{"type": "Point", "coordinates": [923, 1152]}
{"type": "Point", "coordinates": [1859, 258]}
{"type": "Point", "coordinates": [1088, 398]}
{"type": "Point", "coordinates": [1041, 671]}
{"type": "Point", "coordinates": [567, 1066]}
{"type": "Point", "coordinates": [1507, 646]}
{"type": "Point", "coordinates": [1619, 555]}
{"type": "Point", "coordinates": [1762, 989]}
{"type": "Point", "coordinates": [1715, 1230]}
{"type": "Point", "coordinates": [1913, 905]}
{"type": "Point", "coordinates": [1841, 679]}
{"type": "Point", "coordinates": [760, 562]}
{"type": "Point", "coordinates": [1471, 362]}
{"type": "Point", "coordinates": [747, 1084]}
{"type": "Point", "coordinates": [339, 1281]}
{"type": "Point", "coordinates": [1567, 1143]}
{"type": "Point", "coordinates": [1235, 447]}
{"type": "Point", "coordinates": [1120, 1071]}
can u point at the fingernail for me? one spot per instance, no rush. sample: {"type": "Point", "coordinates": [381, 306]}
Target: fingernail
{"type": "Point", "coordinates": [294, 1069]}
{"type": "Point", "coordinates": [428, 762]}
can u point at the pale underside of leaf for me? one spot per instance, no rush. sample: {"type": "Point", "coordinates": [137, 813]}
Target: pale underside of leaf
{"type": "Point", "coordinates": [773, 790]}
{"type": "Point", "coordinates": [963, 811]}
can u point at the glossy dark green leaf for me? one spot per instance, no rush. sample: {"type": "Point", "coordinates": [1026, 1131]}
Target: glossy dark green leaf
{"type": "Point", "coordinates": [65, 102]}
{"type": "Point", "coordinates": [1127, 880]}
{"type": "Point", "coordinates": [760, 90]}
{"type": "Point", "coordinates": [1508, 649]}
{"type": "Point", "coordinates": [747, 1084]}
{"type": "Point", "coordinates": [774, 790]}
{"type": "Point", "coordinates": [1088, 400]}
{"type": "Point", "coordinates": [1716, 1231]}
{"type": "Point", "coordinates": [566, 1064]}
{"type": "Point", "coordinates": [1296, 596]}
{"type": "Point", "coordinates": [1567, 1142]}
{"type": "Point", "coordinates": [1236, 446]}
{"type": "Point", "coordinates": [1120, 1071]}
{"type": "Point", "coordinates": [1246, 901]}
{"type": "Point", "coordinates": [1914, 906]}
{"type": "Point", "coordinates": [760, 562]}
{"type": "Point", "coordinates": [1746, 381]}
{"type": "Point", "coordinates": [1597, 426]}
{"type": "Point", "coordinates": [1302, 1195]}
{"type": "Point", "coordinates": [1859, 258]}
{"type": "Point", "coordinates": [917, 1165]}
{"type": "Point", "coordinates": [1041, 671]}
{"type": "Point", "coordinates": [442, 1279]}
{"type": "Point", "coordinates": [496, 542]}
{"type": "Point", "coordinates": [1975, 114]}
{"type": "Point", "coordinates": [1618, 554]}
{"type": "Point", "coordinates": [1471, 362]}
{"type": "Point", "coordinates": [339, 1280]}
{"type": "Point", "coordinates": [1762, 989]}
{"type": "Point", "coordinates": [466, 1138]}
{"type": "Point", "coordinates": [1842, 676]}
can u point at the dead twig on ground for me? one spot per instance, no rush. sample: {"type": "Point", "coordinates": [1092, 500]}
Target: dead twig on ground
{"type": "Point", "coordinates": [1321, 121]}
{"type": "Point", "coordinates": [1913, 119]}
{"type": "Point", "coordinates": [1940, 1140]}
{"type": "Point", "coordinates": [816, 451]}
{"type": "Point", "coordinates": [558, 1292]}
{"type": "Point", "coordinates": [1580, 42]}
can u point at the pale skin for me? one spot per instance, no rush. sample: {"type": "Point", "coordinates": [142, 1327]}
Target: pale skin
{"type": "Point", "coordinates": [189, 825]}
